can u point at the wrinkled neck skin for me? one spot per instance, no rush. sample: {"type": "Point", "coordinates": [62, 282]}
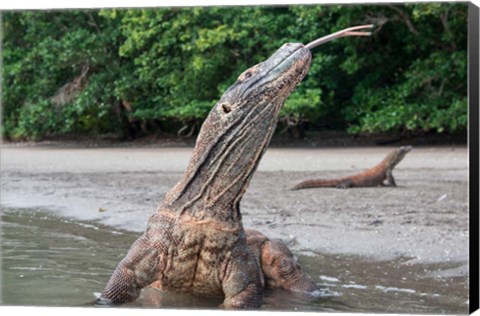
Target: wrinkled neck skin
{"type": "Point", "coordinates": [234, 137]}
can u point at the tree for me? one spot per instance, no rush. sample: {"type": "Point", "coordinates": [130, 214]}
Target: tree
{"type": "Point", "coordinates": [129, 71]}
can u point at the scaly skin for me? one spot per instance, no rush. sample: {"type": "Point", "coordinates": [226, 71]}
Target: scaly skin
{"type": "Point", "coordinates": [195, 241]}
{"type": "Point", "coordinates": [372, 177]}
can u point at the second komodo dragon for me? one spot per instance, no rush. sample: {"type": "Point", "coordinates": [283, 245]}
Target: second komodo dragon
{"type": "Point", "coordinates": [195, 241]}
{"type": "Point", "coordinates": [372, 177]}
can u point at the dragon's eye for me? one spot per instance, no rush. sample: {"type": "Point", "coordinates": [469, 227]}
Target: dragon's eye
{"type": "Point", "coordinates": [244, 76]}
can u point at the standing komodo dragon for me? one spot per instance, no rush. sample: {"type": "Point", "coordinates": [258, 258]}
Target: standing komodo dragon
{"type": "Point", "coordinates": [195, 241]}
{"type": "Point", "coordinates": [372, 177]}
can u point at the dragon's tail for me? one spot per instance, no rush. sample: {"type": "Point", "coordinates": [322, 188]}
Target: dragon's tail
{"type": "Point", "coordinates": [316, 183]}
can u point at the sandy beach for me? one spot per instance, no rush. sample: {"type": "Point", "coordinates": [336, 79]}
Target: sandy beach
{"type": "Point", "coordinates": [424, 219]}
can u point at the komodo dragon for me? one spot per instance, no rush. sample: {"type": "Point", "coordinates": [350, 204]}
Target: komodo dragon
{"type": "Point", "coordinates": [372, 177]}
{"type": "Point", "coordinates": [195, 241]}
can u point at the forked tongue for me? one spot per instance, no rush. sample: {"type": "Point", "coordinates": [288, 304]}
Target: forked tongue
{"type": "Point", "coordinates": [351, 31]}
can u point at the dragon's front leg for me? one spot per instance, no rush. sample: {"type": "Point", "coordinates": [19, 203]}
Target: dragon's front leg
{"type": "Point", "coordinates": [140, 267]}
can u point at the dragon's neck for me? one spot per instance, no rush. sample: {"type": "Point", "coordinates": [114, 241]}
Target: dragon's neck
{"type": "Point", "coordinates": [220, 170]}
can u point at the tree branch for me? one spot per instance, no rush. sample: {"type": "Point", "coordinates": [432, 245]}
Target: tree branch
{"type": "Point", "coordinates": [405, 18]}
{"type": "Point", "coordinates": [93, 22]}
{"type": "Point", "coordinates": [379, 20]}
{"type": "Point", "coordinates": [444, 19]}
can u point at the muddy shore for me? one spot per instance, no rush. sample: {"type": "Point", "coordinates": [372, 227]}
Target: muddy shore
{"type": "Point", "coordinates": [424, 219]}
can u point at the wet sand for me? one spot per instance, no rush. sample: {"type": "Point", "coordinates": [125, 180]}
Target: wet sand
{"type": "Point", "coordinates": [423, 220]}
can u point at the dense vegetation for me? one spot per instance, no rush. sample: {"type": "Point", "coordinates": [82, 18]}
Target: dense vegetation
{"type": "Point", "coordinates": [140, 71]}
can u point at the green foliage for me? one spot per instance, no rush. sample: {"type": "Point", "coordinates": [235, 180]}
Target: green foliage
{"type": "Point", "coordinates": [45, 55]}
{"type": "Point", "coordinates": [422, 82]}
{"type": "Point", "coordinates": [302, 105]}
{"type": "Point", "coordinates": [70, 72]}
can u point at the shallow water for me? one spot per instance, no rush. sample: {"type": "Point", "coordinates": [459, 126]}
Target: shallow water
{"type": "Point", "coordinates": [52, 261]}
